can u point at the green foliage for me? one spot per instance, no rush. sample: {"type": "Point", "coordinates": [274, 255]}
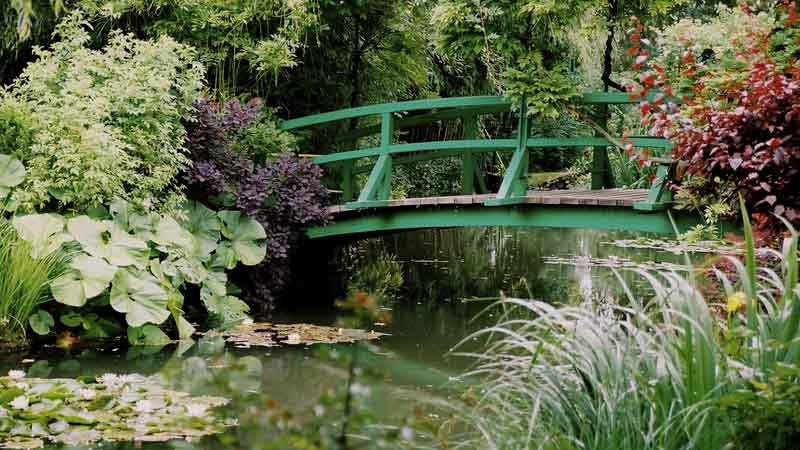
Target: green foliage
{"type": "Point", "coordinates": [108, 123]}
{"type": "Point", "coordinates": [767, 411]}
{"type": "Point", "coordinates": [545, 90]}
{"type": "Point", "coordinates": [244, 44]}
{"type": "Point", "coordinates": [23, 282]}
{"type": "Point", "coordinates": [140, 264]}
{"type": "Point", "coordinates": [263, 139]}
{"type": "Point", "coordinates": [380, 275]}
{"type": "Point", "coordinates": [583, 377]}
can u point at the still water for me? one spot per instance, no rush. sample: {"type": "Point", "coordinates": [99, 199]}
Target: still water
{"type": "Point", "coordinates": [298, 397]}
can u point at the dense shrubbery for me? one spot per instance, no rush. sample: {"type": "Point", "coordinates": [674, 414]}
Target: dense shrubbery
{"type": "Point", "coordinates": [241, 160]}
{"type": "Point", "coordinates": [738, 129]}
{"type": "Point", "coordinates": [114, 115]}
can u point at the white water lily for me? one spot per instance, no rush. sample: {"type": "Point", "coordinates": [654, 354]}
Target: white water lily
{"type": "Point", "coordinates": [58, 427]}
{"type": "Point", "coordinates": [359, 389]}
{"type": "Point", "coordinates": [16, 375]}
{"type": "Point", "coordinates": [196, 409]}
{"type": "Point", "coordinates": [20, 402]}
{"type": "Point", "coordinates": [87, 394]}
{"type": "Point", "coordinates": [319, 410]}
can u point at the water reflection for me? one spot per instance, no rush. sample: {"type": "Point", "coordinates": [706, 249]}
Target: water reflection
{"type": "Point", "coordinates": [303, 397]}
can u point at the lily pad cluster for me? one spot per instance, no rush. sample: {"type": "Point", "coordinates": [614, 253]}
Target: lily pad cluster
{"type": "Point", "coordinates": [35, 411]}
{"type": "Point", "coordinates": [140, 264]}
{"type": "Point", "coordinates": [272, 335]}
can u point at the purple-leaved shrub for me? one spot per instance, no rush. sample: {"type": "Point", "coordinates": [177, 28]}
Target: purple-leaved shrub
{"type": "Point", "coordinates": [284, 193]}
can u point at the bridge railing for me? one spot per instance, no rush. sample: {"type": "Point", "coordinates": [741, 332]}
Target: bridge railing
{"type": "Point", "coordinates": [377, 189]}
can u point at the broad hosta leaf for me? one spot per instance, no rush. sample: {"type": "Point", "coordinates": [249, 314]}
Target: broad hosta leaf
{"type": "Point", "coordinates": [12, 173]}
{"type": "Point", "coordinates": [204, 225]}
{"type": "Point", "coordinates": [140, 296]}
{"type": "Point", "coordinates": [185, 329]}
{"type": "Point", "coordinates": [41, 321]}
{"type": "Point", "coordinates": [43, 231]}
{"type": "Point", "coordinates": [109, 240]}
{"type": "Point", "coordinates": [93, 235]}
{"type": "Point", "coordinates": [246, 235]}
{"type": "Point", "coordinates": [169, 233]}
{"type": "Point", "coordinates": [89, 278]}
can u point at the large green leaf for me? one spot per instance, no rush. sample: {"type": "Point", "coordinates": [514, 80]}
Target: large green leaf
{"type": "Point", "coordinates": [204, 225]}
{"type": "Point", "coordinates": [109, 240]}
{"type": "Point", "coordinates": [41, 321]}
{"type": "Point", "coordinates": [43, 231]}
{"type": "Point", "coordinates": [246, 235]}
{"type": "Point", "coordinates": [12, 173]}
{"type": "Point", "coordinates": [139, 295]}
{"type": "Point", "coordinates": [225, 310]}
{"type": "Point", "coordinates": [169, 233]}
{"type": "Point", "coordinates": [88, 279]}
{"type": "Point", "coordinates": [148, 335]}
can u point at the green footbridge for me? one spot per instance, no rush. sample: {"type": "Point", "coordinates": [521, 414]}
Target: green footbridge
{"type": "Point", "coordinates": [367, 207]}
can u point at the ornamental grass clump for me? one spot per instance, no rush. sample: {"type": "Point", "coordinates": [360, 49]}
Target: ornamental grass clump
{"type": "Point", "coordinates": [661, 373]}
{"type": "Point", "coordinates": [24, 283]}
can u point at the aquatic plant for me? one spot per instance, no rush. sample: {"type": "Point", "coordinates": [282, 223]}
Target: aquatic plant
{"type": "Point", "coordinates": [661, 373]}
{"type": "Point", "coordinates": [35, 411]}
{"type": "Point", "coordinates": [24, 282]}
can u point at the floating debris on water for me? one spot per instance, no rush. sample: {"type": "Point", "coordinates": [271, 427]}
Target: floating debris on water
{"type": "Point", "coordinates": [272, 335]}
{"type": "Point", "coordinates": [616, 262]}
{"type": "Point", "coordinates": [39, 411]}
{"type": "Point", "coordinates": [679, 247]}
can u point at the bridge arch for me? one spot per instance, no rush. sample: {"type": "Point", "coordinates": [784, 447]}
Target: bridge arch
{"type": "Point", "coordinates": [369, 208]}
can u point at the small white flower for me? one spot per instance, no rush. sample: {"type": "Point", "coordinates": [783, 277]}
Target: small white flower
{"type": "Point", "coordinates": [87, 394]}
{"type": "Point", "coordinates": [407, 433]}
{"type": "Point", "coordinates": [147, 203]}
{"type": "Point", "coordinates": [109, 380]}
{"type": "Point", "coordinates": [16, 375]}
{"type": "Point", "coordinates": [58, 427]}
{"type": "Point", "coordinates": [319, 410]}
{"type": "Point", "coordinates": [359, 389]}
{"type": "Point", "coordinates": [20, 402]}
{"type": "Point", "coordinates": [196, 409]}
{"type": "Point", "coordinates": [144, 406]}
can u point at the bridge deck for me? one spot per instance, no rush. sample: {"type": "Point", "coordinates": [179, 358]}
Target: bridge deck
{"type": "Point", "coordinates": [623, 198]}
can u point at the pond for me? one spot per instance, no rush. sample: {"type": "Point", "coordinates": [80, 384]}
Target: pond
{"type": "Point", "coordinates": [286, 397]}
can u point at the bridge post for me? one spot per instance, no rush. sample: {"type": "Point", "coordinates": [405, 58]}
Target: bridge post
{"type": "Point", "coordinates": [602, 176]}
{"type": "Point", "coordinates": [387, 135]}
{"type": "Point", "coordinates": [348, 182]}
{"type": "Point", "coordinates": [469, 161]}
{"type": "Point", "coordinates": [515, 181]}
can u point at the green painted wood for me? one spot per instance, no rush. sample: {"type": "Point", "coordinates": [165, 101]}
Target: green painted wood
{"type": "Point", "coordinates": [557, 216]}
{"type": "Point", "coordinates": [513, 187]}
{"type": "Point", "coordinates": [602, 176]}
{"type": "Point", "coordinates": [489, 102]}
{"type": "Point", "coordinates": [423, 119]}
{"type": "Point", "coordinates": [375, 182]}
{"type": "Point", "coordinates": [658, 197]}
{"type": "Point", "coordinates": [469, 160]}
{"type": "Point", "coordinates": [412, 105]}
{"type": "Point", "coordinates": [483, 145]}
{"type": "Point", "coordinates": [387, 138]}
{"type": "Point", "coordinates": [348, 183]}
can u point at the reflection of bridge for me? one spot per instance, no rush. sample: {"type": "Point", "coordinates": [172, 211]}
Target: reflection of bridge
{"type": "Point", "coordinates": [373, 210]}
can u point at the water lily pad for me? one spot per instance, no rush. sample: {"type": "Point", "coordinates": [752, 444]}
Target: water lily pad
{"type": "Point", "coordinates": [272, 335]}
{"type": "Point", "coordinates": [110, 408]}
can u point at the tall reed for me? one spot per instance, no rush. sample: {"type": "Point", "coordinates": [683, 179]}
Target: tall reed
{"type": "Point", "coordinates": [647, 375]}
{"type": "Point", "coordinates": [24, 281]}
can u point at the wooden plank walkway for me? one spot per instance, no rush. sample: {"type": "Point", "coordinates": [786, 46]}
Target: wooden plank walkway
{"type": "Point", "coordinates": [623, 198]}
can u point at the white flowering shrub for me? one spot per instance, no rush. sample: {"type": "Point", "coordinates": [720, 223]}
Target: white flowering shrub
{"type": "Point", "coordinates": [108, 123]}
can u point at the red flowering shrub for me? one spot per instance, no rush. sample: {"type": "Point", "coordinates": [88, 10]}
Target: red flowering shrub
{"type": "Point", "coordinates": [738, 129]}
